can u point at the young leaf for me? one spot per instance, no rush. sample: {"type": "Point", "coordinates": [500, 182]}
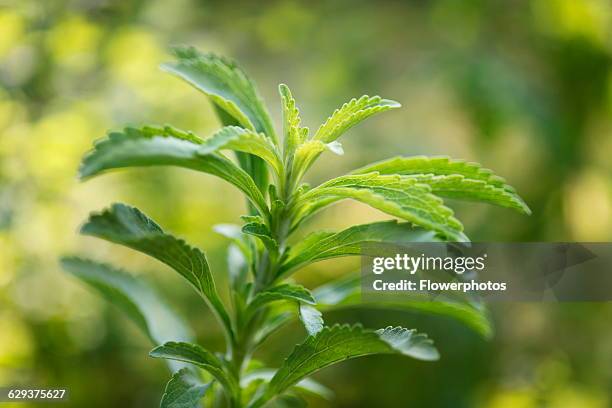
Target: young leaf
{"type": "Point", "coordinates": [311, 318]}
{"type": "Point", "coordinates": [184, 390]}
{"type": "Point", "coordinates": [308, 152]}
{"type": "Point", "coordinates": [200, 357]}
{"type": "Point", "coordinates": [225, 84]}
{"type": "Point", "coordinates": [346, 293]}
{"type": "Point", "coordinates": [452, 178]}
{"type": "Point", "coordinates": [243, 140]}
{"type": "Point", "coordinates": [144, 147]}
{"type": "Point", "coordinates": [294, 135]}
{"type": "Point", "coordinates": [133, 296]}
{"type": "Point", "coordinates": [285, 291]}
{"type": "Point", "coordinates": [339, 343]}
{"type": "Point", "coordinates": [395, 195]}
{"type": "Point", "coordinates": [128, 226]}
{"type": "Point", "coordinates": [350, 114]}
{"type": "Point", "coordinates": [324, 245]}
{"type": "Point", "coordinates": [262, 232]}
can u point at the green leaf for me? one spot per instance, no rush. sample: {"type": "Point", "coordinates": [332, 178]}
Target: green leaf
{"type": "Point", "coordinates": [342, 291]}
{"type": "Point", "coordinates": [132, 296]}
{"type": "Point", "coordinates": [285, 291]}
{"type": "Point", "coordinates": [452, 178]}
{"type": "Point", "coordinates": [252, 165]}
{"type": "Point", "coordinates": [307, 384]}
{"type": "Point", "coordinates": [262, 232]}
{"type": "Point", "coordinates": [129, 227]}
{"type": "Point", "coordinates": [457, 186]}
{"type": "Point", "coordinates": [232, 93]}
{"type": "Point", "coordinates": [226, 84]}
{"type": "Point", "coordinates": [346, 293]}
{"type": "Point", "coordinates": [318, 246]}
{"type": "Point", "coordinates": [311, 318]}
{"type": "Point", "coordinates": [308, 152]}
{"type": "Point", "coordinates": [184, 390]}
{"type": "Point", "coordinates": [395, 195]}
{"type": "Point", "coordinates": [339, 343]}
{"type": "Point", "coordinates": [350, 114]}
{"type": "Point", "coordinates": [294, 135]}
{"type": "Point", "coordinates": [437, 165]}
{"type": "Point", "coordinates": [243, 140]}
{"type": "Point", "coordinates": [162, 147]}
{"type": "Point", "coordinates": [200, 357]}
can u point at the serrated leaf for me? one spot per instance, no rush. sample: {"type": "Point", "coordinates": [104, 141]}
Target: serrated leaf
{"type": "Point", "coordinates": [457, 186]}
{"type": "Point", "coordinates": [452, 178]}
{"type": "Point", "coordinates": [262, 232]}
{"type": "Point", "coordinates": [162, 147]}
{"type": "Point", "coordinates": [339, 343]}
{"type": "Point", "coordinates": [226, 84]}
{"type": "Point", "coordinates": [307, 384]}
{"type": "Point", "coordinates": [311, 318]}
{"type": "Point", "coordinates": [395, 195]}
{"type": "Point", "coordinates": [184, 390]}
{"type": "Point", "coordinates": [243, 140]}
{"type": "Point", "coordinates": [233, 94]}
{"type": "Point", "coordinates": [200, 357]}
{"type": "Point", "coordinates": [132, 296]}
{"type": "Point", "coordinates": [308, 152]}
{"type": "Point", "coordinates": [285, 291]}
{"type": "Point", "coordinates": [252, 165]}
{"type": "Point", "coordinates": [319, 245]}
{"type": "Point", "coordinates": [346, 293]}
{"type": "Point", "coordinates": [350, 114]}
{"type": "Point", "coordinates": [127, 226]}
{"type": "Point", "coordinates": [294, 135]}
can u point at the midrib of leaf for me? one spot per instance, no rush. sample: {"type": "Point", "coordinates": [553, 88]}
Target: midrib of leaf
{"type": "Point", "coordinates": [137, 148]}
{"type": "Point", "coordinates": [197, 355]}
{"type": "Point", "coordinates": [394, 195]}
{"type": "Point", "coordinates": [350, 114]}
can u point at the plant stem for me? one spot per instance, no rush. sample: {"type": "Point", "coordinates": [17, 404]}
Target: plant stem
{"type": "Point", "coordinates": [247, 326]}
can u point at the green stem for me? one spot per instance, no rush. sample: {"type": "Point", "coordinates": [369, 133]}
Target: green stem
{"type": "Point", "coordinates": [242, 346]}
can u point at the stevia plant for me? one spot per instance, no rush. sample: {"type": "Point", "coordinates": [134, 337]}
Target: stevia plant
{"type": "Point", "coordinates": [263, 253]}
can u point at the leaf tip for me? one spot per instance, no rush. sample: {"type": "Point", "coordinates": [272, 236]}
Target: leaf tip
{"type": "Point", "coordinates": [390, 103]}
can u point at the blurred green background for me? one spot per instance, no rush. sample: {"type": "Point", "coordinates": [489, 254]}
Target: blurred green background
{"type": "Point", "coordinates": [523, 87]}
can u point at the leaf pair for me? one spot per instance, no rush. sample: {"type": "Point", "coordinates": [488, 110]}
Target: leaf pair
{"type": "Point", "coordinates": [301, 152]}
